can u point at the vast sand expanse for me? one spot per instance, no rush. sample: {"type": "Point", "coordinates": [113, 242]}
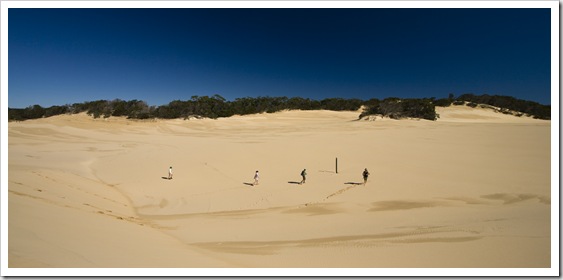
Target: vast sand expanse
{"type": "Point", "coordinates": [469, 190]}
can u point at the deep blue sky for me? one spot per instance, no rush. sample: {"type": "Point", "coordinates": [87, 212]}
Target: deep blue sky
{"type": "Point", "coordinates": [60, 56]}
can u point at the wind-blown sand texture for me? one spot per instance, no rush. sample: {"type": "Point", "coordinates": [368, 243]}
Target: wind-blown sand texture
{"type": "Point", "coordinates": [469, 190]}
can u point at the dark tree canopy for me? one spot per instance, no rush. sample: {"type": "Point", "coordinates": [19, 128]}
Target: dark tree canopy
{"type": "Point", "coordinates": [396, 108]}
{"type": "Point", "coordinates": [218, 107]}
{"type": "Point", "coordinates": [531, 108]}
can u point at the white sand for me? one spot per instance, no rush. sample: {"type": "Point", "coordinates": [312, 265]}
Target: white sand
{"type": "Point", "coordinates": [469, 190]}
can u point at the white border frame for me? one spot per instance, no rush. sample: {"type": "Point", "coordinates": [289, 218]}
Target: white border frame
{"type": "Point", "coordinates": [555, 207]}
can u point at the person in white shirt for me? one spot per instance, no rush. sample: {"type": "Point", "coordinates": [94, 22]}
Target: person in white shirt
{"type": "Point", "coordinates": [256, 178]}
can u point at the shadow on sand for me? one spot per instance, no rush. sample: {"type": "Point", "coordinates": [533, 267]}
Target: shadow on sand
{"type": "Point", "coordinates": [293, 182]}
{"type": "Point", "coordinates": [165, 178]}
{"type": "Point", "coordinates": [353, 183]}
{"type": "Point", "coordinates": [249, 184]}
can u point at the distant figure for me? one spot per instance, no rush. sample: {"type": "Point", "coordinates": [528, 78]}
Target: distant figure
{"type": "Point", "coordinates": [365, 174]}
{"type": "Point", "coordinates": [303, 174]}
{"type": "Point", "coordinates": [256, 178]}
{"type": "Point", "coordinates": [170, 173]}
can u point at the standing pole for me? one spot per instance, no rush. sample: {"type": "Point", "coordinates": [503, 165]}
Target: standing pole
{"type": "Point", "coordinates": [336, 165]}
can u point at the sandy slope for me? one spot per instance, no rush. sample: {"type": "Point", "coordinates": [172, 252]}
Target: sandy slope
{"type": "Point", "coordinates": [469, 190]}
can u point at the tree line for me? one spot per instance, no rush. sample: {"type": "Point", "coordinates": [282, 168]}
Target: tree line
{"type": "Point", "coordinates": [197, 107]}
{"type": "Point", "coordinates": [506, 103]}
{"type": "Point", "coordinates": [218, 107]}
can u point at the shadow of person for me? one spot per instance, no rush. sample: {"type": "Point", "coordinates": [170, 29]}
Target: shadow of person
{"type": "Point", "coordinates": [353, 183]}
{"type": "Point", "coordinates": [249, 184]}
{"type": "Point", "coordinates": [293, 182]}
{"type": "Point", "coordinates": [165, 178]}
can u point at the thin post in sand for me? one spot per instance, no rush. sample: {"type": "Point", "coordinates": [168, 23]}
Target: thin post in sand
{"type": "Point", "coordinates": [336, 165]}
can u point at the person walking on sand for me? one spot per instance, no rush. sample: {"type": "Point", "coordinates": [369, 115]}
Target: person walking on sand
{"type": "Point", "coordinates": [256, 178]}
{"type": "Point", "coordinates": [303, 174]}
{"type": "Point", "coordinates": [170, 173]}
{"type": "Point", "coordinates": [365, 174]}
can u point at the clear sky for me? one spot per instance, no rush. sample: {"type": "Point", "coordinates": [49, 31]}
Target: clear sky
{"type": "Point", "coordinates": [64, 56]}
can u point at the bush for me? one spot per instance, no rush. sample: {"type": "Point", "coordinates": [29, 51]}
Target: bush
{"type": "Point", "coordinates": [444, 102]}
{"type": "Point", "coordinates": [396, 108]}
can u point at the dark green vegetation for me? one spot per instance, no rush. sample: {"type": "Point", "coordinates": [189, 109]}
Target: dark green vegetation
{"type": "Point", "coordinates": [508, 103]}
{"type": "Point", "coordinates": [396, 108]}
{"type": "Point", "coordinates": [218, 107]}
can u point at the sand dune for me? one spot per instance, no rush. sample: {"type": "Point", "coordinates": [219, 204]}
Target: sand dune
{"type": "Point", "coordinates": [469, 190]}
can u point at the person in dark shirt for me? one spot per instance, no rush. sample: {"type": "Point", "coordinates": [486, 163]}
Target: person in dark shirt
{"type": "Point", "coordinates": [304, 175]}
{"type": "Point", "coordinates": [365, 174]}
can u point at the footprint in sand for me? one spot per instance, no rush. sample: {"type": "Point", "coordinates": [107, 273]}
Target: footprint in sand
{"type": "Point", "coordinates": [342, 190]}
